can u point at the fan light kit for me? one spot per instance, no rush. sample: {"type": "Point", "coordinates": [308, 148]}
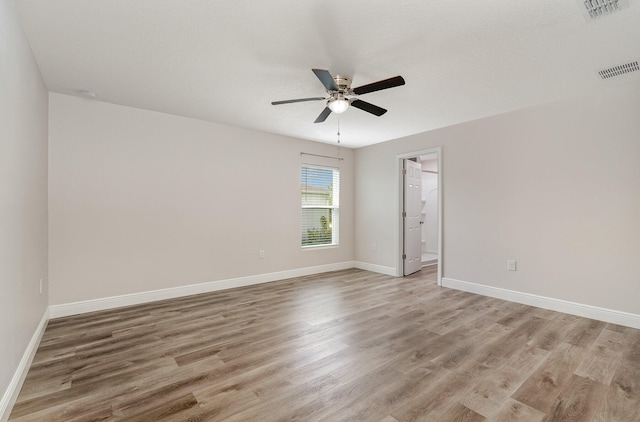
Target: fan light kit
{"type": "Point", "coordinates": [339, 104]}
{"type": "Point", "coordinates": [341, 95]}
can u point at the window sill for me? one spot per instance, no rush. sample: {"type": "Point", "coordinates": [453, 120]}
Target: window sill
{"type": "Point", "coordinates": [316, 247]}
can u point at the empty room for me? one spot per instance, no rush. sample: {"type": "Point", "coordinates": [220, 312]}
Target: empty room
{"type": "Point", "coordinates": [319, 210]}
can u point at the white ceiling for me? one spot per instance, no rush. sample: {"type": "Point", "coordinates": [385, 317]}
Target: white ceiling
{"type": "Point", "coordinates": [225, 61]}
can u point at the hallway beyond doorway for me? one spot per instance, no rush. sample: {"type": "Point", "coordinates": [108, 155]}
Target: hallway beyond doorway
{"type": "Point", "coordinates": [429, 259]}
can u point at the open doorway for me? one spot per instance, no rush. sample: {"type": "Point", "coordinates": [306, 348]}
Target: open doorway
{"type": "Point", "coordinates": [425, 206]}
{"type": "Point", "coordinates": [429, 212]}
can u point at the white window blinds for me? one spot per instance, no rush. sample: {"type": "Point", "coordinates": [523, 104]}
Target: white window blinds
{"type": "Point", "coordinates": [320, 214]}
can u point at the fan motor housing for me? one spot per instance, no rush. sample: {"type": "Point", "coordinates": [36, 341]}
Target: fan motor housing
{"type": "Point", "coordinates": [343, 82]}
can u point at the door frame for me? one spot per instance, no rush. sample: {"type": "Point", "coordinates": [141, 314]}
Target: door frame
{"type": "Point", "coordinates": [400, 206]}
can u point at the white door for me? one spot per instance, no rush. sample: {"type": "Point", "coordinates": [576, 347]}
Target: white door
{"type": "Point", "coordinates": [412, 255]}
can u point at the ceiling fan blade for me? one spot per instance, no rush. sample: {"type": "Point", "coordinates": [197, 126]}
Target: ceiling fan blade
{"type": "Point", "coordinates": [368, 107]}
{"type": "Point", "coordinates": [326, 79]}
{"type": "Point", "coordinates": [323, 116]}
{"type": "Point", "coordinates": [380, 85]}
{"type": "Point", "coordinates": [299, 100]}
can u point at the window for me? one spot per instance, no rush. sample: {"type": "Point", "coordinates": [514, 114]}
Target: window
{"type": "Point", "coordinates": [320, 205]}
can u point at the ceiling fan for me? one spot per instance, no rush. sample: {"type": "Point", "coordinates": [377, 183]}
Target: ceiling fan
{"type": "Point", "coordinates": [341, 95]}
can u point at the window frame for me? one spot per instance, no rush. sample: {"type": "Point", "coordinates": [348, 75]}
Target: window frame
{"type": "Point", "coordinates": [333, 206]}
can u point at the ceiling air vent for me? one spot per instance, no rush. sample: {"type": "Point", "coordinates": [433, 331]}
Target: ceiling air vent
{"type": "Point", "coordinates": [596, 8]}
{"type": "Point", "coordinates": [621, 69]}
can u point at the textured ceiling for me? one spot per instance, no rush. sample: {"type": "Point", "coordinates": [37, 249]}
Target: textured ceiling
{"type": "Point", "coordinates": [226, 61]}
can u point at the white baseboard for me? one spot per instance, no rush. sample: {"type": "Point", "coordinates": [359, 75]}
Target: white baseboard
{"type": "Point", "coordinates": [587, 311]}
{"type": "Point", "coordinates": [67, 309]}
{"type": "Point", "coordinates": [11, 394]}
{"type": "Point", "coordinates": [375, 268]}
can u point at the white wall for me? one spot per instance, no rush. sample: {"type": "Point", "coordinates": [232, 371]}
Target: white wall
{"type": "Point", "coordinates": [141, 201]}
{"type": "Point", "coordinates": [556, 187]}
{"type": "Point", "coordinates": [23, 195]}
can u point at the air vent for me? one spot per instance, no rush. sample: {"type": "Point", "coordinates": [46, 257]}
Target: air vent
{"type": "Point", "coordinates": [621, 69]}
{"type": "Point", "coordinates": [597, 8]}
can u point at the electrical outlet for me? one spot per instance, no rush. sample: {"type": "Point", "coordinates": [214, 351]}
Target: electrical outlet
{"type": "Point", "coordinates": [261, 254]}
{"type": "Point", "coordinates": [511, 264]}
{"type": "Point", "coordinates": [40, 285]}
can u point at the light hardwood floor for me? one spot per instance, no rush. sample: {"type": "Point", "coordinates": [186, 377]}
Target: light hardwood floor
{"type": "Point", "coordinates": [343, 346]}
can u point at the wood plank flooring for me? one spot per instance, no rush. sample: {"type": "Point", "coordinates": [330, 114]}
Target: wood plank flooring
{"type": "Point", "coordinates": [344, 346]}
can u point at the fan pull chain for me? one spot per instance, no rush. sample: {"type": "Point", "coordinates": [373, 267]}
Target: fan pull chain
{"type": "Point", "coordinates": [338, 128]}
